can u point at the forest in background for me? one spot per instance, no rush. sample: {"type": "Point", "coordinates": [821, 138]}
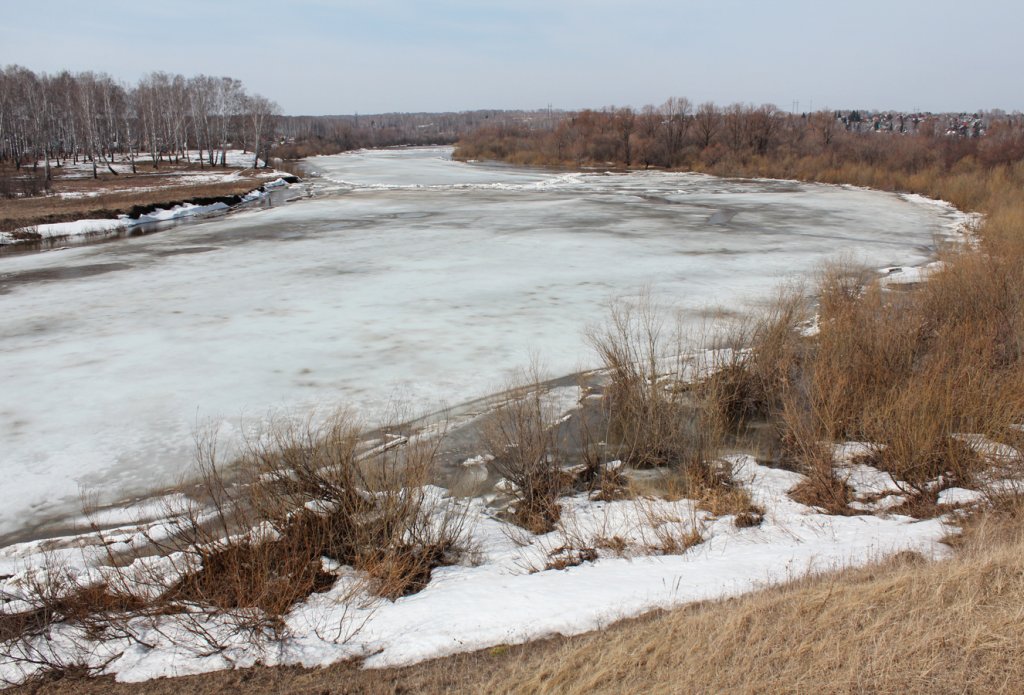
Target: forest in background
{"type": "Point", "coordinates": [305, 136]}
{"type": "Point", "coordinates": [752, 140]}
{"type": "Point", "coordinates": [47, 120]}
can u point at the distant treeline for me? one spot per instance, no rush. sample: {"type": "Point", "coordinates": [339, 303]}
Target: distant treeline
{"type": "Point", "coordinates": [48, 119]}
{"type": "Point", "coordinates": [757, 140]}
{"type": "Point", "coordinates": [304, 136]}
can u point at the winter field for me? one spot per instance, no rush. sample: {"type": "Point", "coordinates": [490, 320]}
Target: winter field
{"type": "Point", "coordinates": [411, 279]}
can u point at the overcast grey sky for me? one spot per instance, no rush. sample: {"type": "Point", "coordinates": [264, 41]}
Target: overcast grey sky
{"type": "Point", "coordinates": [346, 56]}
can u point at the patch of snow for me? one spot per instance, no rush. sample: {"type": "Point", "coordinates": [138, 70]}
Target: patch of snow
{"type": "Point", "coordinates": [147, 510]}
{"type": "Point", "coordinates": [179, 211]}
{"type": "Point", "coordinates": [849, 453]}
{"type": "Point", "coordinates": [961, 225]}
{"type": "Point", "coordinates": [908, 275]}
{"type": "Point", "coordinates": [810, 328]}
{"type": "Point", "coordinates": [874, 490]}
{"type": "Point", "coordinates": [959, 495]}
{"type": "Point", "coordinates": [882, 504]}
{"type": "Point", "coordinates": [994, 451]}
{"type": "Point", "coordinates": [69, 229]}
{"type": "Point", "coordinates": [504, 485]}
{"type": "Point", "coordinates": [866, 480]}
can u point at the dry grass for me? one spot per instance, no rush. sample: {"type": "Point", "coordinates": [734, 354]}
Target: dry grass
{"type": "Point", "coordinates": [730, 499]}
{"type": "Point", "coordinates": [654, 418]}
{"type": "Point", "coordinates": [908, 371]}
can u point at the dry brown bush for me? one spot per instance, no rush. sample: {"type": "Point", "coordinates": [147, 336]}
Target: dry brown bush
{"type": "Point", "coordinates": [314, 492]}
{"type": "Point", "coordinates": [654, 418]}
{"type": "Point", "coordinates": [867, 344]}
{"type": "Point", "coordinates": [522, 437]}
{"type": "Point", "coordinates": [749, 380]}
{"type": "Point", "coordinates": [912, 372]}
{"type": "Point", "coordinates": [810, 454]}
{"type": "Point", "coordinates": [51, 596]}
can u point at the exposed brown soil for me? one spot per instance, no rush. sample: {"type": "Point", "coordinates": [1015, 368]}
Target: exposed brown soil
{"type": "Point", "coordinates": [462, 673]}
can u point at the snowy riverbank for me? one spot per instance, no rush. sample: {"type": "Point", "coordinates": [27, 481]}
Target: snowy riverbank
{"type": "Point", "coordinates": [85, 228]}
{"type": "Point", "coordinates": [507, 592]}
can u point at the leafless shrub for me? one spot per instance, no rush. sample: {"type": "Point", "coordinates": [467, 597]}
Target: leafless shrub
{"type": "Point", "coordinates": [52, 595]}
{"type": "Point", "coordinates": [653, 418]}
{"type": "Point", "coordinates": [313, 492]}
{"type": "Point", "coordinates": [747, 380]}
{"type": "Point", "coordinates": [812, 455]}
{"type": "Point", "coordinates": [521, 436]}
{"type": "Point", "coordinates": [666, 532]}
{"type": "Point", "coordinates": [909, 371]}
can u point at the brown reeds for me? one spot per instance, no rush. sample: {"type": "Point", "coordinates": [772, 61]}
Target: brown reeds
{"type": "Point", "coordinates": [654, 418]}
{"type": "Point", "coordinates": [522, 436]}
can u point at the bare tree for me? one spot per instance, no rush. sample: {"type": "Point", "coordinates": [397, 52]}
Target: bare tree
{"type": "Point", "coordinates": [648, 124]}
{"type": "Point", "coordinates": [625, 124]}
{"type": "Point", "coordinates": [675, 113]}
{"type": "Point", "coordinates": [91, 117]}
{"type": "Point", "coordinates": [707, 122]}
{"type": "Point", "coordinates": [824, 124]}
{"type": "Point", "coordinates": [148, 104]}
{"type": "Point", "coordinates": [734, 123]}
{"type": "Point", "coordinates": [262, 113]}
{"type": "Point", "coordinates": [764, 124]}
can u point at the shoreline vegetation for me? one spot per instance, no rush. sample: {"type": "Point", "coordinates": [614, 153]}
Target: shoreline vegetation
{"type": "Point", "coordinates": [919, 383]}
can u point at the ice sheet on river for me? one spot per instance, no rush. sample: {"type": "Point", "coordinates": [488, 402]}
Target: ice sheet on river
{"type": "Point", "coordinates": [415, 278]}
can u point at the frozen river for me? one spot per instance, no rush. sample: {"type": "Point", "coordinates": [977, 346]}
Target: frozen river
{"type": "Point", "coordinates": [408, 277]}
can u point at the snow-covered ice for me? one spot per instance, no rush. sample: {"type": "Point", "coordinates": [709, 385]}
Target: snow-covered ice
{"type": "Point", "coordinates": [409, 278]}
